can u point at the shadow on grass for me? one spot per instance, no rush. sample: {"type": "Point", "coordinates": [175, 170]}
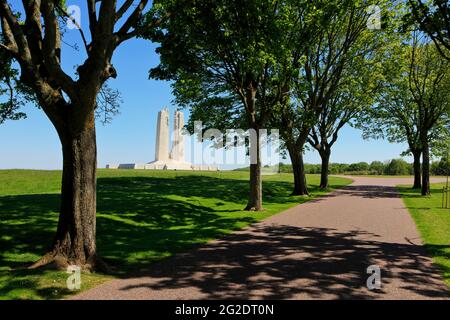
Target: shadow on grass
{"type": "Point", "coordinates": [140, 220]}
{"type": "Point", "coordinates": [442, 258]}
{"type": "Point", "coordinates": [144, 219]}
{"type": "Point", "coordinates": [27, 284]}
{"type": "Point", "coordinates": [408, 192]}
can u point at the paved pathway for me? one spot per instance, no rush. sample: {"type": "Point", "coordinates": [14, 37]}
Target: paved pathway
{"type": "Point", "coordinates": [317, 250]}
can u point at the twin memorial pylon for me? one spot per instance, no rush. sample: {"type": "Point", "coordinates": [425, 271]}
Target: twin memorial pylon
{"type": "Point", "coordinates": [165, 160]}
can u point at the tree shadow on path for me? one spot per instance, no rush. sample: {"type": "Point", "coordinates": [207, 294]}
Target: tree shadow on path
{"type": "Point", "coordinates": [370, 192]}
{"type": "Point", "coordinates": [285, 262]}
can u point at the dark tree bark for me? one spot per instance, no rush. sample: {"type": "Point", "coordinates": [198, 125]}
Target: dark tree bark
{"type": "Point", "coordinates": [255, 199]}
{"type": "Point", "coordinates": [255, 195]}
{"type": "Point", "coordinates": [325, 157]}
{"type": "Point", "coordinates": [323, 147]}
{"type": "Point", "coordinates": [75, 239]}
{"type": "Point", "coordinates": [417, 169]}
{"type": "Point", "coordinates": [75, 236]}
{"type": "Point", "coordinates": [425, 166]}
{"type": "Point", "coordinates": [298, 167]}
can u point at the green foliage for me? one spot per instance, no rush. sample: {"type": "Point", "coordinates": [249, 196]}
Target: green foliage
{"type": "Point", "coordinates": [429, 82]}
{"type": "Point", "coordinates": [377, 167]}
{"type": "Point", "coordinates": [9, 103]}
{"type": "Point", "coordinates": [347, 65]}
{"type": "Point", "coordinates": [432, 17]}
{"type": "Point", "coordinates": [336, 76]}
{"type": "Point", "coordinates": [414, 99]}
{"type": "Point", "coordinates": [394, 116]}
{"type": "Point", "coordinates": [394, 167]}
{"type": "Point", "coordinates": [233, 61]}
{"type": "Point", "coordinates": [441, 168]}
{"type": "Point", "coordinates": [222, 55]}
{"type": "Point", "coordinates": [360, 166]}
{"type": "Point", "coordinates": [397, 167]}
{"type": "Point", "coordinates": [440, 144]}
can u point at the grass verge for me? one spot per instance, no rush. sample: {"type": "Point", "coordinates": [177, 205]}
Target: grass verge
{"type": "Point", "coordinates": [433, 223]}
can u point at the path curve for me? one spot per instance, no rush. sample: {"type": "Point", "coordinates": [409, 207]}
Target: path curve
{"type": "Point", "coordinates": [317, 250]}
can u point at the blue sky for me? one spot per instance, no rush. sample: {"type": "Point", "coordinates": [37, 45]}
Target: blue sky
{"type": "Point", "coordinates": [33, 144]}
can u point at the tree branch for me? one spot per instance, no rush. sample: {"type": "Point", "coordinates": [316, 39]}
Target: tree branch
{"type": "Point", "coordinates": [132, 20]}
{"type": "Point", "coordinates": [16, 31]}
{"type": "Point", "coordinates": [92, 12]}
{"type": "Point", "coordinates": [10, 44]}
{"type": "Point", "coordinates": [33, 27]}
{"type": "Point", "coordinates": [51, 45]}
{"type": "Point", "coordinates": [106, 21]}
{"type": "Point", "coordinates": [74, 21]}
{"type": "Point", "coordinates": [124, 8]}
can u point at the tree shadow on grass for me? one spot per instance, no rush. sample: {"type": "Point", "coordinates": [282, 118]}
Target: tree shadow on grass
{"type": "Point", "coordinates": [228, 190]}
{"type": "Point", "coordinates": [407, 192]}
{"type": "Point", "coordinates": [140, 220]}
{"type": "Point", "coordinates": [26, 284]}
{"type": "Point", "coordinates": [441, 251]}
{"type": "Point", "coordinates": [27, 226]}
{"type": "Point", "coordinates": [144, 219]}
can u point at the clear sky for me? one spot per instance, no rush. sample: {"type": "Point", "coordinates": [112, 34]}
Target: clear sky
{"type": "Point", "coordinates": [130, 138]}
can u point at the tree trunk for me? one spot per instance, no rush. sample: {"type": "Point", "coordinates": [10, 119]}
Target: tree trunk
{"type": "Point", "coordinates": [417, 174]}
{"type": "Point", "coordinates": [425, 166]}
{"type": "Point", "coordinates": [255, 202]}
{"type": "Point", "coordinates": [300, 186]}
{"type": "Point", "coordinates": [325, 156]}
{"type": "Point", "coordinates": [75, 242]}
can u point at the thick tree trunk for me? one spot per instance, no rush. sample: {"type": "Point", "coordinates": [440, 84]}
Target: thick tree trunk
{"type": "Point", "coordinates": [325, 157]}
{"type": "Point", "coordinates": [75, 240]}
{"type": "Point", "coordinates": [300, 186]}
{"type": "Point", "coordinates": [255, 196]}
{"type": "Point", "coordinates": [255, 202]}
{"type": "Point", "coordinates": [425, 167]}
{"type": "Point", "coordinates": [417, 169]}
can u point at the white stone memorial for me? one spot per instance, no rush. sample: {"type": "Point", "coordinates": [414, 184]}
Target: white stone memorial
{"type": "Point", "coordinates": [165, 160]}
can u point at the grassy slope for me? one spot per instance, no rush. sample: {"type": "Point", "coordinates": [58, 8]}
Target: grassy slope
{"type": "Point", "coordinates": [143, 216]}
{"type": "Point", "coordinates": [433, 223]}
{"type": "Point", "coordinates": [384, 176]}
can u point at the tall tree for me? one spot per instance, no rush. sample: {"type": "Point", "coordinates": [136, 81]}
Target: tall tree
{"type": "Point", "coordinates": [395, 115]}
{"type": "Point", "coordinates": [429, 83]}
{"type": "Point", "coordinates": [346, 104]}
{"type": "Point", "coordinates": [226, 54]}
{"type": "Point", "coordinates": [359, 83]}
{"type": "Point", "coordinates": [318, 77]}
{"type": "Point", "coordinates": [70, 103]}
{"type": "Point", "coordinates": [433, 18]}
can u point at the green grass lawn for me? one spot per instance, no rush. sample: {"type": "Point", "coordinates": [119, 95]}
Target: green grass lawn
{"type": "Point", "coordinates": [385, 176]}
{"type": "Point", "coordinates": [143, 216]}
{"type": "Point", "coordinates": [433, 223]}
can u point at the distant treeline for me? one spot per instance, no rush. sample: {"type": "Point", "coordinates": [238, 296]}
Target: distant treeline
{"type": "Point", "coordinates": [394, 167]}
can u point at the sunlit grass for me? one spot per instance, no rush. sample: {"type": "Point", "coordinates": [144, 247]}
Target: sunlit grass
{"type": "Point", "coordinates": [433, 223]}
{"type": "Point", "coordinates": [143, 216]}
